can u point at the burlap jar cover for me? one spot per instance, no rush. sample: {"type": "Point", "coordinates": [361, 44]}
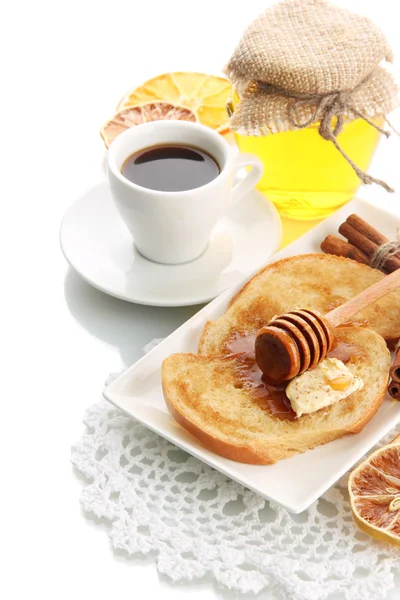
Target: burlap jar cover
{"type": "Point", "coordinates": [308, 61]}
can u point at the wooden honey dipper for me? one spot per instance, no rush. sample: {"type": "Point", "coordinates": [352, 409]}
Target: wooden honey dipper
{"type": "Point", "coordinates": [298, 340]}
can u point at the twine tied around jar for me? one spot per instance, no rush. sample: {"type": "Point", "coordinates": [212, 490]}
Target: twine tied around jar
{"type": "Point", "coordinates": [329, 107]}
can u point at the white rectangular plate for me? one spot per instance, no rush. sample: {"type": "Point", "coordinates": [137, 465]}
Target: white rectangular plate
{"type": "Point", "coordinates": [295, 482]}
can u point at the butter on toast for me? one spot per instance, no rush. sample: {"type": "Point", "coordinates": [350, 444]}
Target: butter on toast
{"type": "Point", "coordinates": [211, 397]}
{"type": "Point", "coordinates": [315, 281]}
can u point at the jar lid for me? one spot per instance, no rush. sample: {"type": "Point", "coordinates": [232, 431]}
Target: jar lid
{"type": "Point", "coordinates": [309, 47]}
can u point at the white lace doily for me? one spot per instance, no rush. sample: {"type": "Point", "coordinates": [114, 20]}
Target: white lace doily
{"type": "Point", "coordinates": [194, 521]}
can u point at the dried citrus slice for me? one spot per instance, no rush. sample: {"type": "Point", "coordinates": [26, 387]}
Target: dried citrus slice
{"type": "Point", "coordinates": [206, 95]}
{"type": "Point", "coordinates": [374, 488]}
{"type": "Point", "coordinates": [143, 113]}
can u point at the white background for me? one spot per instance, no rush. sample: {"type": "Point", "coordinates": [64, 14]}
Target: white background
{"type": "Point", "coordinates": [64, 66]}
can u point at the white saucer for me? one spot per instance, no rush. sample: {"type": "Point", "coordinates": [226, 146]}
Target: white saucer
{"type": "Point", "coordinates": [99, 247]}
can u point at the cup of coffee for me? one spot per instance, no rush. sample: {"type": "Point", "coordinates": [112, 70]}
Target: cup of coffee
{"type": "Point", "coordinates": [171, 182]}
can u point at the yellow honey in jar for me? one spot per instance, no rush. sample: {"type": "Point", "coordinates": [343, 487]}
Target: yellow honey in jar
{"type": "Point", "coordinates": [305, 176]}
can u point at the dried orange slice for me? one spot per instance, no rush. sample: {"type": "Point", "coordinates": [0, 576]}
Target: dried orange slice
{"type": "Point", "coordinates": [374, 488]}
{"type": "Point", "coordinates": [143, 113]}
{"type": "Point", "coordinates": [206, 95]}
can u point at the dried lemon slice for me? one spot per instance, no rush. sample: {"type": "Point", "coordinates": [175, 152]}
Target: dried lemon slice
{"type": "Point", "coordinates": [143, 113]}
{"type": "Point", "coordinates": [374, 488]}
{"type": "Point", "coordinates": [206, 95]}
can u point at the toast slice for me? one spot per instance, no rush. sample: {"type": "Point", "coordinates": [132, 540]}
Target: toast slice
{"type": "Point", "coordinates": [316, 281]}
{"type": "Point", "coordinates": [211, 398]}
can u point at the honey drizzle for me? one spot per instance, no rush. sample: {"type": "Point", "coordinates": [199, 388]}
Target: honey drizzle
{"type": "Point", "coordinates": [343, 352]}
{"type": "Point", "coordinates": [250, 376]}
{"type": "Point", "coordinates": [241, 343]}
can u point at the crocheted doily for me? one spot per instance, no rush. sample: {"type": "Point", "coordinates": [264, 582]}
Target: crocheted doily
{"type": "Point", "coordinates": [194, 521]}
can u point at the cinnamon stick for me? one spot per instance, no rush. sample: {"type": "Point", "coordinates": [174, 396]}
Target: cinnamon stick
{"type": "Point", "coordinates": [395, 368]}
{"type": "Point", "coordinates": [394, 390]}
{"type": "Point", "coordinates": [366, 245]}
{"type": "Point", "coordinates": [366, 229]}
{"type": "Point", "coordinates": [339, 247]}
{"type": "Point", "coordinates": [358, 239]}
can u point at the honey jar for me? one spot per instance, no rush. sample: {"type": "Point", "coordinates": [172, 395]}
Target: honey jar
{"type": "Point", "coordinates": [312, 91]}
{"type": "Point", "coordinates": [304, 175]}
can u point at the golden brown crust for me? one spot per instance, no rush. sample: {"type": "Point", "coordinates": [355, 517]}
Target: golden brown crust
{"type": "Point", "coordinates": [234, 452]}
{"type": "Point", "coordinates": [359, 426]}
{"type": "Point", "coordinates": [282, 261]}
{"type": "Point", "coordinates": [213, 427]}
{"type": "Point", "coordinates": [248, 455]}
{"type": "Point", "coordinates": [203, 336]}
{"type": "Point", "coordinates": [329, 281]}
{"type": "Point", "coordinates": [237, 453]}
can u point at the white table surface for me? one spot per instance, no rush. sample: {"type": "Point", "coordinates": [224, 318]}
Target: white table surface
{"type": "Point", "coordinates": [64, 67]}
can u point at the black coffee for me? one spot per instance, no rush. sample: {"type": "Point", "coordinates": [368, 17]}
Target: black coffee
{"type": "Point", "coordinates": [171, 168]}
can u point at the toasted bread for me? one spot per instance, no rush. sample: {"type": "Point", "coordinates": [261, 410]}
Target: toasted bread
{"type": "Point", "coordinates": [210, 397]}
{"type": "Point", "coordinates": [316, 281]}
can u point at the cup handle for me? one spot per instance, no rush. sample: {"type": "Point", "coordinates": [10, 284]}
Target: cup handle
{"type": "Point", "coordinates": [245, 185]}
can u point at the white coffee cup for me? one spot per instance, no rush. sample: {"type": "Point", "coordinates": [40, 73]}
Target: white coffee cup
{"type": "Point", "coordinates": [174, 227]}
